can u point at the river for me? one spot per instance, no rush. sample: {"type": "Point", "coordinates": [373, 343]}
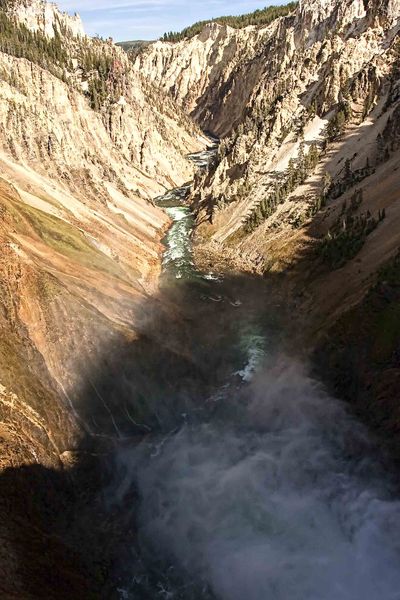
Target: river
{"type": "Point", "coordinates": [258, 486]}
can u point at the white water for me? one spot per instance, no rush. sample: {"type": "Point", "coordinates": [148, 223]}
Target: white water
{"type": "Point", "coordinates": [286, 504]}
{"type": "Point", "coordinates": [178, 254]}
{"type": "Point", "coordinates": [253, 345]}
{"type": "Point", "coordinates": [282, 499]}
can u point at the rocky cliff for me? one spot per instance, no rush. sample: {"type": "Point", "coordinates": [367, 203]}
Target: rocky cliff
{"type": "Point", "coordinates": [307, 171]}
{"type": "Point", "coordinates": [86, 144]}
{"type": "Point", "coordinates": [304, 191]}
{"type": "Point", "coordinates": [79, 234]}
{"type": "Point", "coordinates": [39, 15]}
{"type": "Point", "coordinates": [305, 188]}
{"type": "Point", "coordinates": [305, 182]}
{"type": "Point", "coordinates": [202, 74]}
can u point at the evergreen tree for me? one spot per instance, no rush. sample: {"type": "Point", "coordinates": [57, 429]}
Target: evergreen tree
{"type": "Point", "coordinates": [259, 18]}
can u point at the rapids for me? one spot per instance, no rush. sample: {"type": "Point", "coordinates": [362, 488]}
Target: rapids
{"type": "Point", "coordinates": [267, 489]}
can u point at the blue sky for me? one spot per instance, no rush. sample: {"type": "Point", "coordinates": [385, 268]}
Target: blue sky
{"type": "Point", "coordinates": [149, 19]}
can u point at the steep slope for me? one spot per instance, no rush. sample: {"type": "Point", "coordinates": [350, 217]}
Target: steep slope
{"type": "Point", "coordinates": [39, 15]}
{"type": "Point", "coordinates": [305, 108]}
{"type": "Point", "coordinates": [206, 72]}
{"type": "Point", "coordinates": [86, 144]}
{"type": "Point", "coordinates": [200, 73]}
{"type": "Point", "coordinates": [305, 188]}
{"type": "Point", "coordinates": [304, 191]}
{"type": "Point", "coordinates": [80, 235]}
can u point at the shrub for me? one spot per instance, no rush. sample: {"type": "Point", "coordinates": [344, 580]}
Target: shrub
{"type": "Point", "coordinates": [348, 234]}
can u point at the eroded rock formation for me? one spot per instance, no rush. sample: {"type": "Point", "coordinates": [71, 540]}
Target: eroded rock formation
{"type": "Point", "coordinates": [39, 15]}
{"type": "Point", "coordinates": [79, 233]}
{"type": "Point", "coordinates": [301, 106]}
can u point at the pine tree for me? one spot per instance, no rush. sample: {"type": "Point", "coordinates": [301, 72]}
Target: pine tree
{"type": "Point", "coordinates": [260, 17]}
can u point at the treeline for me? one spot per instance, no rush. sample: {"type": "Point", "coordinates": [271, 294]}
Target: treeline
{"type": "Point", "coordinates": [337, 124]}
{"type": "Point", "coordinates": [17, 40]}
{"type": "Point", "coordinates": [260, 17]}
{"type": "Point", "coordinates": [134, 45]}
{"type": "Point", "coordinates": [98, 68]}
{"type": "Point", "coordinates": [104, 74]}
{"type": "Point", "coordinates": [349, 178]}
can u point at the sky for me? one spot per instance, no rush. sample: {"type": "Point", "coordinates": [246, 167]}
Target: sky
{"type": "Point", "coordinates": [149, 19]}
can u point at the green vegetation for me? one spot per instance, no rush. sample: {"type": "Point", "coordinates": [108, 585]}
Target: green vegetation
{"type": "Point", "coordinates": [348, 235]}
{"type": "Point", "coordinates": [394, 75]}
{"type": "Point", "coordinates": [133, 46]}
{"type": "Point", "coordinates": [100, 67]}
{"type": "Point", "coordinates": [63, 238]}
{"type": "Point", "coordinates": [388, 142]}
{"type": "Point", "coordinates": [337, 124]}
{"type": "Point", "coordinates": [260, 18]}
{"type": "Point", "coordinates": [103, 72]}
{"type": "Point", "coordinates": [386, 321]}
{"type": "Point", "coordinates": [17, 40]}
{"type": "Point", "coordinates": [349, 179]}
{"type": "Point", "coordinates": [13, 80]}
{"type": "Point", "coordinates": [296, 174]}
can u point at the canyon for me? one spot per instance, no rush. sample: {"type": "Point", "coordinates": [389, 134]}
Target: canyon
{"type": "Point", "coordinates": [194, 234]}
{"type": "Point", "coordinates": [305, 186]}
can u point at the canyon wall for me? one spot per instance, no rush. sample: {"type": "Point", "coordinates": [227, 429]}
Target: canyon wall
{"type": "Point", "coordinates": [305, 110]}
{"type": "Point", "coordinates": [305, 188]}
{"type": "Point", "coordinates": [304, 191]}
{"type": "Point", "coordinates": [39, 15]}
{"type": "Point", "coordinates": [86, 144]}
{"type": "Point", "coordinates": [79, 232]}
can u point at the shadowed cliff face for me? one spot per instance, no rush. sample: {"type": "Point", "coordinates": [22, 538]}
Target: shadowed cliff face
{"type": "Point", "coordinates": [89, 361]}
{"type": "Point", "coordinates": [79, 255]}
{"type": "Point", "coordinates": [79, 234]}
{"type": "Point", "coordinates": [59, 525]}
{"type": "Point", "coordinates": [187, 470]}
{"type": "Point", "coordinates": [204, 448]}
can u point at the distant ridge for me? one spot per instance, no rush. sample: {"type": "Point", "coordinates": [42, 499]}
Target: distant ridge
{"type": "Point", "coordinates": [133, 44]}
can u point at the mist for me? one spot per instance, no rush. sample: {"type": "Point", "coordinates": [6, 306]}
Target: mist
{"type": "Point", "coordinates": [281, 500]}
{"type": "Point", "coordinates": [256, 484]}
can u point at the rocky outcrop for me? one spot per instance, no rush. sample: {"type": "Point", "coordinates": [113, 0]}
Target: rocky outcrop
{"type": "Point", "coordinates": [39, 15]}
{"type": "Point", "coordinates": [202, 73]}
{"type": "Point", "coordinates": [130, 135]}
{"type": "Point", "coordinates": [86, 144]}
{"type": "Point", "coordinates": [212, 73]}
{"type": "Point", "coordinates": [304, 187]}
